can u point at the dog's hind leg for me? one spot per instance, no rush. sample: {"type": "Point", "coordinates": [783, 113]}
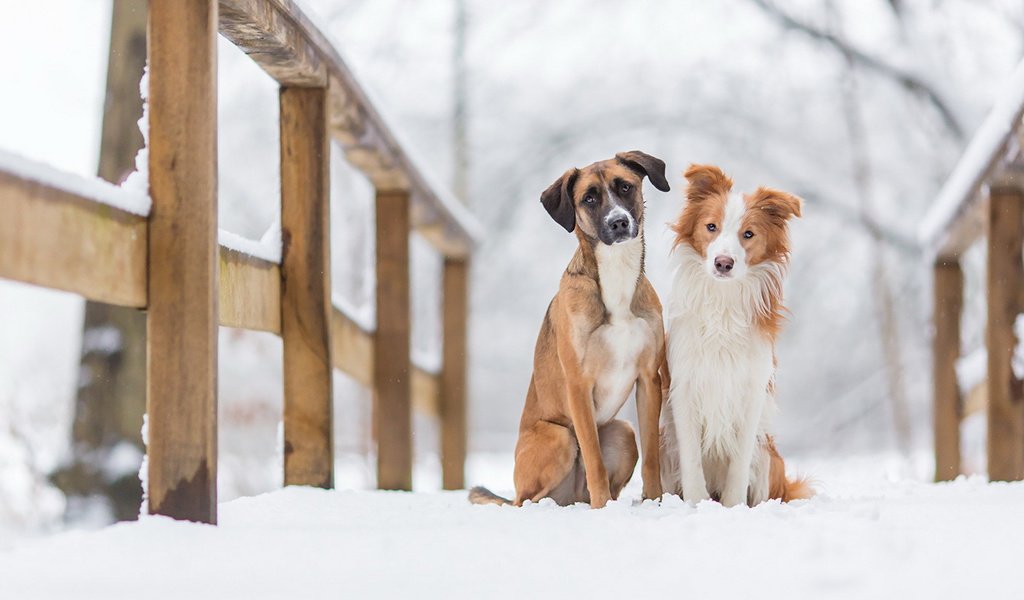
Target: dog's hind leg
{"type": "Point", "coordinates": [620, 454]}
{"type": "Point", "coordinates": [545, 456]}
{"type": "Point", "coordinates": [759, 471]}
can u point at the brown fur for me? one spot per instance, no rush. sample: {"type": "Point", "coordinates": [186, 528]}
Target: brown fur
{"type": "Point", "coordinates": [561, 452]}
{"type": "Point", "coordinates": [768, 211]}
{"type": "Point", "coordinates": [781, 488]}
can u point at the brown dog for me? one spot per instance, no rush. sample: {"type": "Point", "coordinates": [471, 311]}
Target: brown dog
{"type": "Point", "coordinates": [602, 333]}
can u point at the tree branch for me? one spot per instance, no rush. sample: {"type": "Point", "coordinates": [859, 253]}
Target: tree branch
{"type": "Point", "coordinates": [912, 83]}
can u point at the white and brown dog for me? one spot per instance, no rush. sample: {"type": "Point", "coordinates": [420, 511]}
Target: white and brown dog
{"type": "Point", "coordinates": [602, 334]}
{"type": "Point", "coordinates": [724, 311]}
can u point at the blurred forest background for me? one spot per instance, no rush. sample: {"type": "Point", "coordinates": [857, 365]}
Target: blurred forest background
{"type": "Point", "coordinates": [859, 106]}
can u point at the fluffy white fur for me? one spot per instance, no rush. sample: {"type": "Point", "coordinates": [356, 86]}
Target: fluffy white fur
{"type": "Point", "coordinates": [719, 408]}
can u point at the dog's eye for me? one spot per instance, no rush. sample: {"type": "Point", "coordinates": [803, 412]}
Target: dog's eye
{"type": "Point", "coordinates": [748, 234]}
{"type": "Point", "coordinates": [625, 188]}
{"type": "Point", "coordinates": [712, 227]}
{"type": "Point", "coordinates": [588, 199]}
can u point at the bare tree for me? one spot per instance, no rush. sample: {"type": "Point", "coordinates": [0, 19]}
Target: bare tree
{"type": "Point", "coordinates": [885, 302]}
{"type": "Point", "coordinates": [913, 83]}
{"type": "Point", "coordinates": [460, 93]}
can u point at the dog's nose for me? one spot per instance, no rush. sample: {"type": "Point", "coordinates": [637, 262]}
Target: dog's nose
{"type": "Point", "coordinates": [724, 264]}
{"type": "Point", "coordinates": [619, 224]}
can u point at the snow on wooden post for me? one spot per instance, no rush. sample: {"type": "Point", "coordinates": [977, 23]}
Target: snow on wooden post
{"type": "Point", "coordinates": [948, 288]}
{"type": "Point", "coordinates": [392, 372]}
{"type": "Point", "coordinates": [182, 312]}
{"type": "Point", "coordinates": [1005, 278]}
{"type": "Point", "coordinates": [306, 288]}
{"type": "Point", "coordinates": [453, 373]}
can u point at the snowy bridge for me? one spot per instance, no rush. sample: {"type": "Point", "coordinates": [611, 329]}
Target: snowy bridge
{"type": "Point", "coordinates": [982, 199]}
{"type": "Point", "coordinates": [153, 244]}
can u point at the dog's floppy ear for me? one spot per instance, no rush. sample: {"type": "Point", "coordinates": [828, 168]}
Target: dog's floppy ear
{"type": "Point", "coordinates": [645, 164]}
{"type": "Point", "coordinates": [706, 181]}
{"type": "Point", "coordinates": [780, 205]}
{"type": "Point", "coordinates": [557, 200]}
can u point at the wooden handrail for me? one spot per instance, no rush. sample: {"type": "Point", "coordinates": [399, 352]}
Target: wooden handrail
{"type": "Point", "coordinates": [59, 239]}
{"type": "Point", "coordinates": [957, 217]}
{"type": "Point", "coordinates": [983, 197]}
{"type": "Point", "coordinates": [103, 242]}
{"type": "Point", "coordinates": [282, 39]}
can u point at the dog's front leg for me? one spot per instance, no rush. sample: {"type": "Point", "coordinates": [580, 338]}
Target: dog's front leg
{"type": "Point", "coordinates": [689, 438]}
{"type": "Point", "coordinates": [581, 410]}
{"type": "Point", "coordinates": [737, 478]}
{"type": "Point", "coordinates": [648, 405]}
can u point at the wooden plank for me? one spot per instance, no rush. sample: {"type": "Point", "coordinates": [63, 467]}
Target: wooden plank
{"type": "Point", "coordinates": [1004, 279]}
{"type": "Point", "coordinates": [353, 355]}
{"type": "Point", "coordinates": [453, 374]}
{"type": "Point", "coordinates": [250, 292]}
{"type": "Point", "coordinates": [269, 37]}
{"type": "Point", "coordinates": [948, 304]}
{"type": "Point", "coordinates": [976, 400]}
{"type": "Point", "coordinates": [182, 317]}
{"type": "Point", "coordinates": [391, 373]}
{"type": "Point", "coordinates": [352, 348]}
{"type": "Point", "coordinates": [426, 392]}
{"type": "Point", "coordinates": [306, 289]}
{"type": "Point", "coordinates": [59, 240]}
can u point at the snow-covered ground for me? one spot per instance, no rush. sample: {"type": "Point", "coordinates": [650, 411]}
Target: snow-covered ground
{"type": "Point", "coordinates": [875, 531]}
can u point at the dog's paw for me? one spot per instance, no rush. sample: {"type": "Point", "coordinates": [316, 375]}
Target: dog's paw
{"type": "Point", "coordinates": [695, 495]}
{"type": "Point", "coordinates": [652, 491]}
{"type": "Point", "coordinates": [599, 500]}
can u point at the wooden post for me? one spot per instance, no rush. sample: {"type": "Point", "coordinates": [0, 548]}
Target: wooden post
{"type": "Point", "coordinates": [948, 287]}
{"type": "Point", "coordinates": [453, 374]}
{"type": "Point", "coordinates": [391, 364]}
{"type": "Point", "coordinates": [1005, 277]}
{"type": "Point", "coordinates": [306, 288]}
{"type": "Point", "coordinates": [182, 317]}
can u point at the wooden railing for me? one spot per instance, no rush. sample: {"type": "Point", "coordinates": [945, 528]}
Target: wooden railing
{"type": "Point", "coordinates": [983, 198]}
{"type": "Point", "coordinates": [69, 234]}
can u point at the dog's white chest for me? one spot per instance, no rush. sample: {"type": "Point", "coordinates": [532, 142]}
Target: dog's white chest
{"type": "Point", "coordinates": [624, 337]}
{"type": "Point", "coordinates": [624, 341]}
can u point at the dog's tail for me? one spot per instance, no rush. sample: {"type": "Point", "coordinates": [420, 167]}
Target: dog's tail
{"type": "Point", "coordinates": [779, 486]}
{"type": "Point", "coordinates": [482, 495]}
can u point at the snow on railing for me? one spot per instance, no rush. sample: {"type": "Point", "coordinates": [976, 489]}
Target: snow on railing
{"type": "Point", "coordinates": [92, 188]}
{"type": "Point", "coordinates": [993, 143]}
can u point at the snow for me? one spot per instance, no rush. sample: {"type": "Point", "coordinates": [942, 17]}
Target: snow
{"type": "Point", "coordinates": [985, 148]}
{"type": "Point", "coordinates": [92, 188]}
{"type": "Point", "coordinates": [869, 534]}
{"type": "Point", "coordinates": [123, 459]}
{"type": "Point", "coordinates": [138, 180]}
{"type": "Point", "coordinates": [364, 316]}
{"type": "Point", "coordinates": [972, 370]}
{"type": "Point", "coordinates": [104, 340]}
{"type": "Point", "coordinates": [268, 247]}
{"type": "Point", "coordinates": [429, 361]}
